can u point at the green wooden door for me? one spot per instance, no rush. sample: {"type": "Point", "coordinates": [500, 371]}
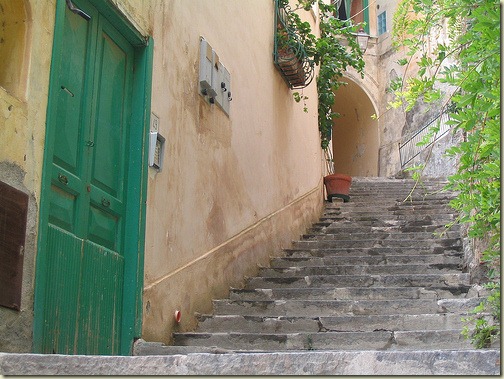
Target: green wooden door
{"type": "Point", "coordinates": [87, 195]}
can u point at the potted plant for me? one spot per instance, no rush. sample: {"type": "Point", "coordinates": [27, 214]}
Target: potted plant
{"type": "Point", "coordinates": [336, 185]}
{"type": "Point", "coordinates": [290, 56]}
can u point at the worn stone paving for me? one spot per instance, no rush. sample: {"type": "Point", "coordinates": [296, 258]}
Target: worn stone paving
{"type": "Point", "coordinates": [376, 287]}
{"type": "Point", "coordinates": [375, 273]}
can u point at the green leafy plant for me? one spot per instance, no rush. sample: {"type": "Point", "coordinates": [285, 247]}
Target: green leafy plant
{"type": "Point", "coordinates": [334, 51]}
{"type": "Point", "coordinates": [466, 64]}
{"type": "Point", "coordinates": [483, 326]}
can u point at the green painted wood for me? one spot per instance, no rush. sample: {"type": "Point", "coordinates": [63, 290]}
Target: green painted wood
{"type": "Point", "coordinates": [365, 6]}
{"type": "Point", "coordinates": [94, 186]}
{"type": "Point", "coordinates": [64, 268]}
{"type": "Point", "coordinates": [100, 303]}
{"type": "Point", "coordinates": [135, 226]}
{"type": "Point", "coordinates": [110, 135]}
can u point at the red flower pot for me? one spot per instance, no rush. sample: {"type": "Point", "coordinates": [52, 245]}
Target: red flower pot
{"type": "Point", "coordinates": [338, 185]}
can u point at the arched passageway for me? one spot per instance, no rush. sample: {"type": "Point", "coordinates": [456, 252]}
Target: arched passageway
{"type": "Point", "coordinates": [355, 138]}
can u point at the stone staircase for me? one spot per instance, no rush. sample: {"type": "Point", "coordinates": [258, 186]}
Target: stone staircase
{"type": "Point", "coordinates": [371, 275]}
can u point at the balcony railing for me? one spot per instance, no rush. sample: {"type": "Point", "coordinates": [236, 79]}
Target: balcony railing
{"type": "Point", "coordinates": [289, 55]}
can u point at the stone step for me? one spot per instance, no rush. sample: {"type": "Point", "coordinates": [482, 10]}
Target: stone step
{"type": "Point", "coordinates": [385, 215]}
{"type": "Point", "coordinates": [333, 228]}
{"type": "Point", "coordinates": [378, 222]}
{"type": "Point", "coordinates": [365, 260]}
{"type": "Point", "coordinates": [365, 323]}
{"type": "Point", "coordinates": [353, 293]}
{"type": "Point", "coordinates": [401, 193]}
{"type": "Point", "coordinates": [153, 358]}
{"type": "Point", "coordinates": [396, 194]}
{"type": "Point", "coordinates": [388, 187]}
{"type": "Point", "coordinates": [379, 199]}
{"type": "Point", "coordinates": [318, 308]}
{"type": "Point", "coordinates": [365, 202]}
{"type": "Point", "coordinates": [393, 215]}
{"type": "Point", "coordinates": [394, 220]}
{"type": "Point", "coordinates": [374, 242]}
{"type": "Point", "coordinates": [375, 273]}
{"type": "Point", "coordinates": [361, 203]}
{"type": "Point", "coordinates": [347, 341]}
{"type": "Point", "coordinates": [372, 251]}
{"type": "Point", "coordinates": [440, 205]}
{"type": "Point", "coordinates": [332, 234]}
{"type": "Point", "coordinates": [388, 269]}
{"type": "Point", "coordinates": [315, 281]}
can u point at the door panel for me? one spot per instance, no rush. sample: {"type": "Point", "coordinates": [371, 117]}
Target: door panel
{"type": "Point", "coordinates": [112, 114]}
{"type": "Point", "coordinates": [99, 324]}
{"type": "Point", "coordinates": [104, 227]}
{"type": "Point", "coordinates": [64, 262]}
{"type": "Point", "coordinates": [72, 102]}
{"type": "Point", "coordinates": [63, 208]}
{"type": "Point", "coordinates": [113, 108]}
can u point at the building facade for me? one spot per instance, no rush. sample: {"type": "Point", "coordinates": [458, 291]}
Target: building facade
{"type": "Point", "coordinates": [152, 157]}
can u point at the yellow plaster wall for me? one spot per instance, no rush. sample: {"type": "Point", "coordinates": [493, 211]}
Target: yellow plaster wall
{"type": "Point", "coordinates": [23, 101]}
{"type": "Point", "coordinates": [25, 58]}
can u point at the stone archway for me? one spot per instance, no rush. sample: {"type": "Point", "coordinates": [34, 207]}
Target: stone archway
{"type": "Point", "coordinates": [355, 138]}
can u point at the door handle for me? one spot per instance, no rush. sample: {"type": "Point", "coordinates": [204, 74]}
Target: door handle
{"type": "Point", "coordinates": [105, 202]}
{"type": "Point", "coordinates": [78, 11]}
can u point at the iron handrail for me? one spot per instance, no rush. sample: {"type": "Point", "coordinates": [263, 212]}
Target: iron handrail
{"type": "Point", "coordinates": [409, 149]}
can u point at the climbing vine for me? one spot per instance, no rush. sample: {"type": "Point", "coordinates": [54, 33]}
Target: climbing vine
{"type": "Point", "coordinates": [455, 45]}
{"type": "Point", "coordinates": [334, 51]}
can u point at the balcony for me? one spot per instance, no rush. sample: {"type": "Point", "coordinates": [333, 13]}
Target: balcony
{"type": "Point", "coordinates": [289, 55]}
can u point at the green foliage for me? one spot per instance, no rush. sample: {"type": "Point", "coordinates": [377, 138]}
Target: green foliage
{"type": "Point", "coordinates": [333, 51]}
{"type": "Point", "coordinates": [467, 62]}
{"type": "Point", "coordinates": [485, 319]}
{"type": "Point", "coordinates": [298, 97]}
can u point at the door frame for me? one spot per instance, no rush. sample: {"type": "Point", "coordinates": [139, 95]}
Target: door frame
{"type": "Point", "coordinates": [131, 325]}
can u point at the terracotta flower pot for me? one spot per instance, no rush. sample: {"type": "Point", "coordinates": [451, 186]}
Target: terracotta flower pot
{"type": "Point", "coordinates": [338, 185]}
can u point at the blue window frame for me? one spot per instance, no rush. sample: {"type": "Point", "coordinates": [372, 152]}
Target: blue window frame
{"type": "Point", "coordinates": [382, 23]}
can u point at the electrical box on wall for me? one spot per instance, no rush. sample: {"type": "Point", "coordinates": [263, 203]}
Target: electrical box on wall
{"type": "Point", "coordinates": [214, 78]}
{"type": "Point", "coordinates": [224, 93]}
{"type": "Point", "coordinates": [205, 67]}
{"type": "Point", "coordinates": [156, 144]}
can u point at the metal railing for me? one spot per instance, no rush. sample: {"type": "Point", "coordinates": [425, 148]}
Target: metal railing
{"type": "Point", "coordinates": [409, 146]}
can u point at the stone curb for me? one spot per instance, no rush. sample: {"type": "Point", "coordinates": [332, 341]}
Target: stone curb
{"type": "Point", "coordinates": [468, 362]}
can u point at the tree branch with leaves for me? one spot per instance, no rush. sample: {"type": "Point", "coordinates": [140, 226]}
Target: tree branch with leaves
{"type": "Point", "coordinates": [463, 69]}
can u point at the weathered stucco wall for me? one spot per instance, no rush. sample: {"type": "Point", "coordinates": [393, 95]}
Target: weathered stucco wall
{"type": "Point", "coordinates": [234, 189]}
{"type": "Point", "coordinates": [27, 39]}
